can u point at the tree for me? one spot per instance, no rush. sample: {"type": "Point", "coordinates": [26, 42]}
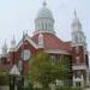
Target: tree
{"type": "Point", "coordinates": [43, 71]}
{"type": "Point", "coordinates": [40, 67]}
{"type": "Point", "coordinates": [67, 70]}
{"type": "Point", "coordinates": [4, 79]}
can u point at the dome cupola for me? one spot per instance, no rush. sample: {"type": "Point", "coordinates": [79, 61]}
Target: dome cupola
{"type": "Point", "coordinates": [44, 12]}
{"type": "Point", "coordinates": [44, 21]}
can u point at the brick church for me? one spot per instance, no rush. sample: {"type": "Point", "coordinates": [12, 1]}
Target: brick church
{"type": "Point", "coordinates": [45, 38]}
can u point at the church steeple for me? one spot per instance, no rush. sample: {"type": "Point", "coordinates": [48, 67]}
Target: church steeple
{"type": "Point", "coordinates": [78, 37]}
{"type": "Point", "coordinates": [79, 50]}
{"type": "Point", "coordinates": [4, 49]}
{"type": "Point", "coordinates": [13, 43]}
{"type": "Point", "coordinates": [44, 21]}
{"type": "Point", "coordinates": [76, 24]}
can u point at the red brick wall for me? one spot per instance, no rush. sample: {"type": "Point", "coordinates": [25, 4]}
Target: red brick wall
{"type": "Point", "coordinates": [14, 57]}
{"type": "Point", "coordinates": [78, 56]}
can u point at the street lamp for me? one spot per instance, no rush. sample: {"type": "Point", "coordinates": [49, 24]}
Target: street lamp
{"type": "Point", "coordinates": [14, 72]}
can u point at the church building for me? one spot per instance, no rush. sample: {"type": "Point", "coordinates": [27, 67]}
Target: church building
{"type": "Point", "coordinates": [45, 38]}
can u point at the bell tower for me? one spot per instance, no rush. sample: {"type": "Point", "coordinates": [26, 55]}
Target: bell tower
{"type": "Point", "coordinates": [78, 37]}
{"type": "Point", "coordinates": [79, 65]}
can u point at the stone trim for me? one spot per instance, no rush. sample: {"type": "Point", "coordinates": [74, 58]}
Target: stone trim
{"type": "Point", "coordinates": [57, 51]}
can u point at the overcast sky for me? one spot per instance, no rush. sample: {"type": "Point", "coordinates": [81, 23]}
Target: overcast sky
{"type": "Point", "coordinates": [18, 15]}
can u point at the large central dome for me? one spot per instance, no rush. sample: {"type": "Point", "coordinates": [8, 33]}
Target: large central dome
{"type": "Point", "coordinates": [45, 13]}
{"type": "Point", "coordinates": [44, 21]}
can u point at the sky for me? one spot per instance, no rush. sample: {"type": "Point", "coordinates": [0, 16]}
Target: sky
{"type": "Point", "coordinates": [17, 16]}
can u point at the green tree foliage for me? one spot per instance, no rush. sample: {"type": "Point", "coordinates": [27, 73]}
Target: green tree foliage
{"type": "Point", "coordinates": [63, 68]}
{"type": "Point", "coordinates": [42, 69]}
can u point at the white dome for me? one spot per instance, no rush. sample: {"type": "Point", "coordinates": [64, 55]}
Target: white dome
{"type": "Point", "coordinates": [45, 13]}
{"type": "Point", "coordinates": [44, 20]}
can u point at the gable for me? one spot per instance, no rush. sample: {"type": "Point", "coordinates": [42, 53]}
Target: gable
{"type": "Point", "coordinates": [27, 40]}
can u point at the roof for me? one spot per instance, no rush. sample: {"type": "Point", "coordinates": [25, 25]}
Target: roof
{"type": "Point", "coordinates": [51, 41]}
{"type": "Point", "coordinates": [28, 38]}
